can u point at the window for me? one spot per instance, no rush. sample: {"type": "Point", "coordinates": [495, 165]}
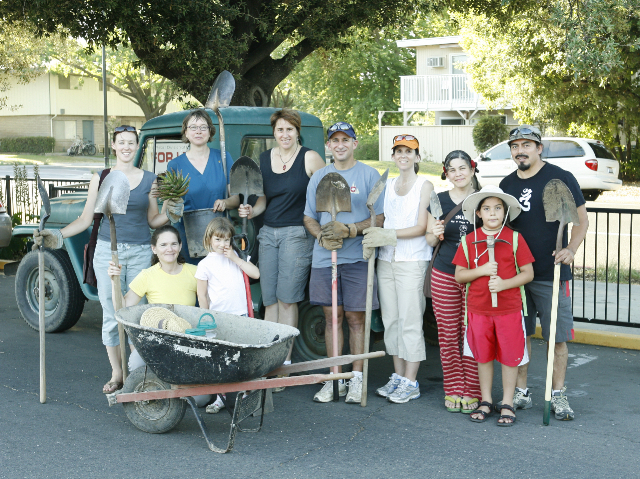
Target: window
{"type": "Point", "coordinates": [253, 146]}
{"type": "Point", "coordinates": [561, 149]}
{"type": "Point", "coordinates": [451, 121]}
{"type": "Point", "coordinates": [166, 149]}
{"type": "Point", "coordinates": [500, 152]}
{"type": "Point", "coordinates": [602, 151]}
{"type": "Point", "coordinates": [64, 130]}
{"type": "Point", "coordinates": [64, 83]}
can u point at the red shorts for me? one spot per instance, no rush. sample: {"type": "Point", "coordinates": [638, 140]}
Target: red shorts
{"type": "Point", "coordinates": [496, 337]}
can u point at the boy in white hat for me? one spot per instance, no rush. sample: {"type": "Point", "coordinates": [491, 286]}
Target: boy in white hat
{"type": "Point", "coordinates": [495, 322]}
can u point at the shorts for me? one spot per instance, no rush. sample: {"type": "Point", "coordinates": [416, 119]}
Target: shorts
{"type": "Point", "coordinates": [352, 286]}
{"type": "Point", "coordinates": [539, 304]}
{"type": "Point", "coordinates": [285, 261]}
{"type": "Point", "coordinates": [496, 337]}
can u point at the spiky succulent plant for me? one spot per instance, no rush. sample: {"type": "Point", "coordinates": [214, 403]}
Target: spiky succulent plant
{"type": "Point", "coordinates": [172, 185]}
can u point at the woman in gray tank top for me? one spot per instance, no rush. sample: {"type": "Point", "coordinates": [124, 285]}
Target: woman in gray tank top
{"type": "Point", "coordinates": [134, 237]}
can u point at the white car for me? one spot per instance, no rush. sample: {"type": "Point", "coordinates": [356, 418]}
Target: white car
{"type": "Point", "coordinates": [590, 161]}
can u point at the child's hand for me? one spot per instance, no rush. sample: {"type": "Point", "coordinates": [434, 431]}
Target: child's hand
{"type": "Point", "coordinates": [230, 254]}
{"type": "Point", "coordinates": [496, 284]}
{"type": "Point", "coordinates": [490, 268]}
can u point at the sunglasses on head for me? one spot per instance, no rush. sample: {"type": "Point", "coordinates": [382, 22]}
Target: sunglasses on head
{"type": "Point", "coordinates": [523, 131]}
{"type": "Point", "coordinates": [404, 137]}
{"type": "Point", "coordinates": [340, 126]}
{"type": "Point", "coordinates": [120, 129]}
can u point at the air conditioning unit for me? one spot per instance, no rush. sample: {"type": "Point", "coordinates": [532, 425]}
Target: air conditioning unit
{"type": "Point", "coordinates": [435, 62]}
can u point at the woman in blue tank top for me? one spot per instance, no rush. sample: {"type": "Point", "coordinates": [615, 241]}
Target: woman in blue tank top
{"type": "Point", "coordinates": [285, 245]}
{"type": "Point", "coordinates": [134, 238]}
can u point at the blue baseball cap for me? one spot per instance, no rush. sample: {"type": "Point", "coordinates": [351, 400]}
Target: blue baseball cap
{"type": "Point", "coordinates": [342, 126]}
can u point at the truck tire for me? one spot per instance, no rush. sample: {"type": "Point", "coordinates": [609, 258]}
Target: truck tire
{"type": "Point", "coordinates": [64, 300]}
{"type": "Point", "coordinates": [591, 195]}
{"type": "Point", "coordinates": [155, 416]}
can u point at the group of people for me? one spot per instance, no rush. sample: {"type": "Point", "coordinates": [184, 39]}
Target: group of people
{"type": "Point", "coordinates": [296, 242]}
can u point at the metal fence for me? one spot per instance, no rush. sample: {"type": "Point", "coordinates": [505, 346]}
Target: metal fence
{"type": "Point", "coordinates": [28, 203]}
{"type": "Point", "coordinates": [605, 269]}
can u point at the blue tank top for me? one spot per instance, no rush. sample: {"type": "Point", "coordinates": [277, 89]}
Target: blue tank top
{"type": "Point", "coordinates": [132, 227]}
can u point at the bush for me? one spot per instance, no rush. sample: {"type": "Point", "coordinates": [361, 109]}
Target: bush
{"type": "Point", "coordinates": [27, 144]}
{"type": "Point", "coordinates": [629, 170]}
{"type": "Point", "coordinates": [489, 131]}
{"type": "Point", "coordinates": [367, 149]}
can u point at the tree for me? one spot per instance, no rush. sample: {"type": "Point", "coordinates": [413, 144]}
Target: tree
{"type": "Point", "coordinates": [489, 131]}
{"type": "Point", "coordinates": [191, 41]}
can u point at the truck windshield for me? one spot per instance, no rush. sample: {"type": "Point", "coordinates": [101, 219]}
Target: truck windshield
{"type": "Point", "coordinates": [159, 151]}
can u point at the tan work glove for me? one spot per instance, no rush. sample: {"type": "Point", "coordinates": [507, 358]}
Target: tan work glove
{"type": "Point", "coordinates": [374, 237]}
{"type": "Point", "coordinates": [367, 252]}
{"type": "Point", "coordinates": [52, 239]}
{"type": "Point", "coordinates": [175, 209]}
{"type": "Point", "coordinates": [329, 243]}
{"type": "Point", "coordinates": [337, 230]}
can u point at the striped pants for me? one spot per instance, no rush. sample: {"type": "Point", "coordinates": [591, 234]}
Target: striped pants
{"type": "Point", "coordinates": [460, 372]}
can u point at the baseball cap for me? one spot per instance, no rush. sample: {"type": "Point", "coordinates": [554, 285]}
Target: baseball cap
{"type": "Point", "coordinates": [342, 126]}
{"type": "Point", "coordinates": [406, 140]}
{"type": "Point", "coordinates": [525, 132]}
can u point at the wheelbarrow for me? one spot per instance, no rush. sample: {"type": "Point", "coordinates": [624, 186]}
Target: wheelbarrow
{"type": "Point", "coordinates": [180, 366]}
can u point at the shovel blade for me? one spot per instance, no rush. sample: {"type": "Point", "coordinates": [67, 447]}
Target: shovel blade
{"type": "Point", "coordinates": [559, 204]}
{"type": "Point", "coordinates": [377, 189]}
{"type": "Point", "coordinates": [221, 91]}
{"type": "Point", "coordinates": [113, 195]}
{"type": "Point", "coordinates": [333, 195]}
{"type": "Point", "coordinates": [245, 178]}
{"type": "Point", "coordinates": [46, 204]}
{"type": "Point", "coordinates": [434, 205]}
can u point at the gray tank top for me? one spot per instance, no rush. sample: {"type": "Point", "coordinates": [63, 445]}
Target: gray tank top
{"type": "Point", "coordinates": [133, 227]}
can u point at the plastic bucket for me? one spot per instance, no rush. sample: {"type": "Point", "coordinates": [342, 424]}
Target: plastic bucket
{"type": "Point", "coordinates": [195, 224]}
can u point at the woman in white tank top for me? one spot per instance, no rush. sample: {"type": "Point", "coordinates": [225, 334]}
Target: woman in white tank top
{"type": "Point", "coordinates": [402, 263]}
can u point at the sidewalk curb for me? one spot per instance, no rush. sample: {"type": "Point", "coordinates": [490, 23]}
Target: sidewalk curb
{"type": "Point", "coordinates": [601, 338]}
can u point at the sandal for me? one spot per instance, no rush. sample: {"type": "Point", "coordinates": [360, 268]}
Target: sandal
{"type": "Point", "coordinates": [455, 401]}
{"type": "Point", "coordinates": [465, 405]}
{"type": "Point", "coordinates": [506, 416]}
{"type": "Point", "coordinates": [485, 414]}
{"type": "Point", "coordinates": [112, 386]}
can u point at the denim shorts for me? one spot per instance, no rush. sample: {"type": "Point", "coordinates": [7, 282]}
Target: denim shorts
{"type": "Point", "coordinates": [285, 261]}
{"type": "Point", "coordinates": [133, 258]}
{"type": "Point", "coordinates": [352, 286]}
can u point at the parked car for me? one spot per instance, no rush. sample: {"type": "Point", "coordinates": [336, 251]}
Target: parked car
{"type": "Point", "coordinates": [5, 227]}
{"type": "Point", "coordinates": [591, 162]}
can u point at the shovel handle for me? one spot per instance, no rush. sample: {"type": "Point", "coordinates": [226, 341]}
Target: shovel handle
{"type": "Point", "coordinates": [552, 344]}
{"type": "Point", "coordinates": [334, 316]}
{"type": "Point", "coordinates": [492, 258]}
{"type": "Point", "coordinates": [41, 326]}
{"type": "Point", "coordinates": [117, 290]}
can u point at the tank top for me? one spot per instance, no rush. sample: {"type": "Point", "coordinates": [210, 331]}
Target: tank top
{"type": "Point", "coordinates": [132, 227]}
{"type": "Point", "coordinates": [286, 192]}
{"type": "Point", "coordinates": [402, 212]}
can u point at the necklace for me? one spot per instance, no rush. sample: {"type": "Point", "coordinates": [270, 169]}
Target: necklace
{"type": "Point", "coordinates": [399, 185]}
{"type": "Point", "coordinates": [284, 163]}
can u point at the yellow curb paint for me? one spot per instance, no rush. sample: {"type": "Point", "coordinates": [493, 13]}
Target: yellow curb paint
{"type": "Point", "coordinates": [3, 262]}
{"type": "Point", "coordinates": [601, 338]}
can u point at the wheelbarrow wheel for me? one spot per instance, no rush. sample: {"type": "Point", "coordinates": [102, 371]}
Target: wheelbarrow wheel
{"type": "Point", "coordinates": [156, 416]}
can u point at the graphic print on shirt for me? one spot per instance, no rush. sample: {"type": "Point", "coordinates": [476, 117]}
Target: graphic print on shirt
{"type": "Point", "coordinates": [354, 189]}
{"type": "Point", "coordinates": [463, 226]}
{"type": "Point", "coordinates": [525, 196]}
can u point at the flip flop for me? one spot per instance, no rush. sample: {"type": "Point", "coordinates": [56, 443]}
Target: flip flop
{"type": "Point", "coordinates": [455, 401]}
{"type": "Point", "coordinates": [112, 386]}
{"type": "Point", "coordinates": [465, 409]}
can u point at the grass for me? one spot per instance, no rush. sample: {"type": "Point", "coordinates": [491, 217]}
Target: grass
{"type": "Point", "coordinates": [427, 168]}
{"type": "Point", "coordinates": [601, 274]}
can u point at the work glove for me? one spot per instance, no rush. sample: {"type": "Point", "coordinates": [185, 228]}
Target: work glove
{"type": "Point", "coordinates": [367, 252]}
{"type": "Point", "coordinates": [374, 237]}
{"type": "Point", "coordinates": [52, 239]}
{"type": "Point", "coordinates": [175, 209]}
{"type": "Point", "coordinates": [337, 230]}
{"type": "Point", "coordinates": [329, 243]}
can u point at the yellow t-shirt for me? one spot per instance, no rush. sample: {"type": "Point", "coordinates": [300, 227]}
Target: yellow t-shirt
{"type": "Point", "coordinates": [161, 287]}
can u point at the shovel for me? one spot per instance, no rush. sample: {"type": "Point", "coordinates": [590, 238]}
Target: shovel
{"type": "Point", "coordinates": [112, 199]}
{"type": "Point", "coordinates": [245, 179]}
{"type": "Point", "coordinates": [41, 289]}
{"type": "Point", "coordinates": [436, 208]}
{"type": "Point", "coordinates": [371, 200]}
{"type": "Point", "coordinates": [220, 97]}
{"type": "Point", "coordinates": [333, 195]}
{"type": "Point", "coordinates": [559, 205]}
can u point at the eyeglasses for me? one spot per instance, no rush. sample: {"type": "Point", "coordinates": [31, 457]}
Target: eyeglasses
{"type": "Point", "coordinates": [404, 137]}
{"type": "Point", "coordinates": [120, 129]}
{"type": "Point", "coordinates": [523, 131]}
{"type": "Point", "coordinates": [341, 125]}
{"type": "Point", "coordinates": [196, 127]}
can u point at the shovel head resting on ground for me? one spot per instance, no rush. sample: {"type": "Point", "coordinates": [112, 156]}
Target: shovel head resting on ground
{"type": "Point", "coordinates": [116, 202]}
{"type": "Point", "coordinates": [333, 195]}
{"type": "Point", "coordinates": [222, 91]}
{"type": "Point", "coordinates": [559, 205]}
{"type": "Point", "coordinates": [245, 178]}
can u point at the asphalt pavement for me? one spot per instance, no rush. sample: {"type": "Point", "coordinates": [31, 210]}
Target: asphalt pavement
{"type": "Point", "coordinates": [77, 435]}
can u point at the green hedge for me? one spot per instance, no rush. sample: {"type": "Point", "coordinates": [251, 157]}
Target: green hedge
{"type": "Point", "coordinates": [27, 144]}
{"type": "Point", "coordinates": [367, 149]}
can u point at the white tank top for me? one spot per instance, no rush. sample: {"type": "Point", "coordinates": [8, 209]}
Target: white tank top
{"type": "Point", "coordinates": [402, 212]}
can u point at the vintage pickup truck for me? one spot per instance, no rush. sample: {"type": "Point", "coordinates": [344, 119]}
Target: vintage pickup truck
{"type": "Point", "coordinates": [248, 133]}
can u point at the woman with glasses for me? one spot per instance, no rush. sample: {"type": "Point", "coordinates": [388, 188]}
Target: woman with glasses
{"type": "Point", "coordinates": [461, 383]}
{"type": "Point", "coordinates": [134, 238]}
{"type": "Point", "coordinates": [208, 187]}
{"type": "Point", "coordinates": [402, 263]}
{"type": "Point", "coordinates": [285, 245]}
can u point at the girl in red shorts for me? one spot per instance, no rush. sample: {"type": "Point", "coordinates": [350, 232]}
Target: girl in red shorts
{"type": "Point", "coordinates": [495, 328]}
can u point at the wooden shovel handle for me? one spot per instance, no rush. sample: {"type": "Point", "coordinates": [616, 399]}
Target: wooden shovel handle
{"type": "Point", "coordinates": [494, 296]}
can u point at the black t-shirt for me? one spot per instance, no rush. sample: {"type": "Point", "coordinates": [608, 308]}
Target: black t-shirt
{"type": "Point", "coordinates": [455, 229]}
{"type": "Point", "coordinates": [532, 223]}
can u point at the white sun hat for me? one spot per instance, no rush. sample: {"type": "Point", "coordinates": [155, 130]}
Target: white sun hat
{"type": "Point", "coordinates": [470, 204]}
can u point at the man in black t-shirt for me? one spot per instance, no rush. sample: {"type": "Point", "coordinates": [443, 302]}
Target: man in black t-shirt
{"type": "Point", "coordinates": [527, 184]}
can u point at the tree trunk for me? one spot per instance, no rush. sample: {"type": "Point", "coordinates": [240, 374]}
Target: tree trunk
{"type": "Point", "coordinates": [249, 93]}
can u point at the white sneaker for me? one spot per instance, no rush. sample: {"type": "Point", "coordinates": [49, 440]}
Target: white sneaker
{"type": "Point", "coordinates": [326, 393]}
{"type": "Point", "coordinates": [405, 392]}
{"type": "Point", "coordinates": [386, 390]}
{"type": "Point", "coordinates": [355, 390]}
{"type": "Point", "coordinates": [216, 406]}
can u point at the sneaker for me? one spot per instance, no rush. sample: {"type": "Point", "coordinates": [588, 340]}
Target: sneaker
{"type": "Point", "coordinates": [355, 390]}
{"type": "Point", "coordinates": [405, 393]}
{"type": "Point", "coordinates": [279, 389]}
{"type": "Point", "coordinates": [520, 400]}
{"type": "Point", "coordinates": [388, 388]}
{"type": "Point", "coordinates": [216, 406]}
{"type": "Point", "coordinates": [560, 405]}
{"type": "Point", "coordinates": [326, 393]}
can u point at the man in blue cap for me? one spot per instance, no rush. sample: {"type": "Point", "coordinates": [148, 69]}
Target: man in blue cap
{"type": "Point", "coordinates": [345, 236]}
{"type": "Point", "coordinates": [527, 184]}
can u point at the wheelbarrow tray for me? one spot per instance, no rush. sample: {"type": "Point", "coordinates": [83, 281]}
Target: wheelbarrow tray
{"type": "Point", "coordinates": [244, 349]}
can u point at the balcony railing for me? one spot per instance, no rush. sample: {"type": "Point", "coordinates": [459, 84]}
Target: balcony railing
{"type": "Point", "coordinates": [438, 92]}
